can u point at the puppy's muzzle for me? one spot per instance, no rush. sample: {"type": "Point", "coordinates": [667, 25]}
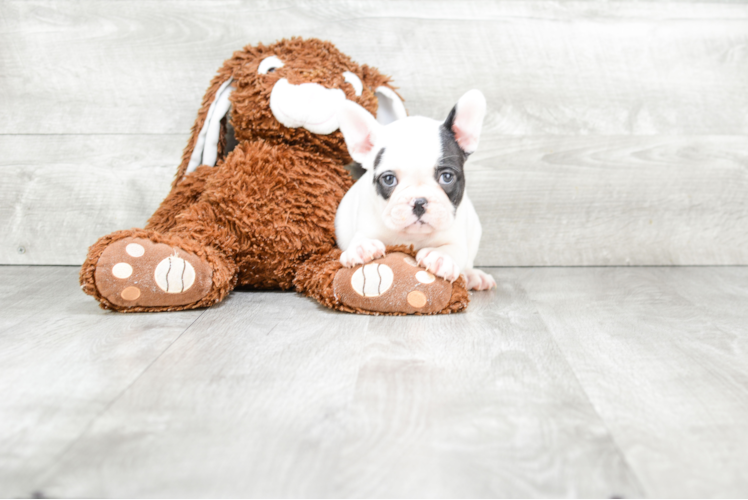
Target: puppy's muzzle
{"type": "Point", "coordinates": [419, 206]}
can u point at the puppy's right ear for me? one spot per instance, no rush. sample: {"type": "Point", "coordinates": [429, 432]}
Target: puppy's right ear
{"type": "Point", "coordinates": [360, 130]}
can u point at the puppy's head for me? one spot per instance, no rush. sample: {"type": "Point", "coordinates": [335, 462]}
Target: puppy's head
{"type": "Point", "coordinates": [416, 164]}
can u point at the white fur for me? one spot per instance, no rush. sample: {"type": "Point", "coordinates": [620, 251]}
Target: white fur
{"type": "Point", "coordinates": [471, 109]}
{"type": "Point", "coordinates": [447, 239]}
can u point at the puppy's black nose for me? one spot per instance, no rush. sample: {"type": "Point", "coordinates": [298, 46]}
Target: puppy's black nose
{"type": "Point", "coordinates": [419, 206]}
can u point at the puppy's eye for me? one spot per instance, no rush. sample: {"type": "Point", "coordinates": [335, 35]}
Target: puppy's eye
{"type": "Point", "coordinates": [388, 180]}
{"type": "Point", "coordinates": [269, 64]}
{"type": "Point", "coordinates": [447, 178]}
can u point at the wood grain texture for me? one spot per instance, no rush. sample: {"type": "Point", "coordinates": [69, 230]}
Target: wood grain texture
{"type": "Point", "coordinates": [64, 361]}
{"type": "Point", "coordinates": [615, 135]}
{"type": "Point", "coordinates": [542, 200]}
{"type": "Point", "coordinates": [269, 395]}
{"type": "Point", "coordinates": [661, 352]}
{"type": "Point", "coordinates": [570, 201]}
{"type": "Point", "coordinates": [251, 402]}
{"type": "Point", "coordinates": [568, 382]}
{"type": "Point", "coordinates": [546, 67]}
{"type": "Point", "coordinates": [476, 405]}
{"type": "Point", "coordinates": [61, 193]}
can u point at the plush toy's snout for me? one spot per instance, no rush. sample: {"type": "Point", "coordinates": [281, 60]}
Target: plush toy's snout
{"type": "Point", "coordinates": [308, 105]}
{"type": "Point", "coordinates": [288, 92]}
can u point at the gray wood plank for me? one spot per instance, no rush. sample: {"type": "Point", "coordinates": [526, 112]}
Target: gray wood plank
{"type": "Point", "coordinates": [268, 395]}
{"type": "Point", "coordinates": [546, 67]}
{"type": "Point", "coordinates": [662, 353]}
{"type": "Point", "coordinates": [542, 200]}
{"type": "Point", "coordinates": [562, 382]}
{"type": "Point", "coordinates": [61, 193]}
{"type": "Point", "coordinates": [478, 405]}
{"type": "Point", "coordinates": [581, 201]}
{"type": "Point", "coordinates": [573, 70]}
{"type": "Point", "coordinates": [64, 361]}
{"type": "Point", "coordinates": [251, 401]}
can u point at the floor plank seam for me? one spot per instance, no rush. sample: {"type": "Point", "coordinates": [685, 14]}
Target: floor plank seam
{"type": "Point", "coordinates": [46, 473]}
{"type": "Point", "coordinates": [621, 453]}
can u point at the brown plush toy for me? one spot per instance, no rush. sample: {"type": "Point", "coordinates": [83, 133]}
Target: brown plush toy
{"type": "Point", "coordinates": [254, 199]}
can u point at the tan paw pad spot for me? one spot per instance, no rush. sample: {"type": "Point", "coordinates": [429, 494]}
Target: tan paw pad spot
{"type": "Point", "coordinates": [410, 261]}
{"type": "Point", "coordinates": [135, 250]}
{"type": "Point", "coordinates": [425, 277]}
{"type": "Point", "coordinates": [122, 270]}
{"type": "Point", "coordinates": [372, 280]}
{"type": "Point", "coordinates": [417, 299]}
{"type": "Point", "coordinates": [130, 293]}
{"type": "Point", "coordinates": [174, 275]}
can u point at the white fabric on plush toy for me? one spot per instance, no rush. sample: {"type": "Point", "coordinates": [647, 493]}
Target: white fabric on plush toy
{"type": "Point", "coordinates": [390, 107]}
{"type": "Point", "coordinates": [308, 105]}
{"type": "Point", "coordinates": [206, 149]}
{"type": "Point", "coordinates": [355, 82]}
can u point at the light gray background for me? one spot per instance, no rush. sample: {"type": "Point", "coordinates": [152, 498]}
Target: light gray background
{"type": "Point", "coordinates": [617, 132]}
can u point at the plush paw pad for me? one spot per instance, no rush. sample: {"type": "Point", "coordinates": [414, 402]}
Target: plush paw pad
{"type": "Point", "coordinates": [174, 275]}
{"type": "Point", "coordinates": [372, 280]}
{"type": "Point", "coordinates": [394, 283]}
{"type": "Point", "coordinates": [135, 272]}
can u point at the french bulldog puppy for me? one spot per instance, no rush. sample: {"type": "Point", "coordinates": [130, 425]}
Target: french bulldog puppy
{"type": "Point", "coordinates": [413, 190]}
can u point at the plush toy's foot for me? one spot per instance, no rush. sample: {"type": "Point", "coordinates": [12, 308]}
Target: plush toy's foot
{"type": "Point", "coordinates": [395, 284]}
{"type": "Point", "coordinates": [137, 272]}
{"type": "Point", "coordinates": [142, 271]}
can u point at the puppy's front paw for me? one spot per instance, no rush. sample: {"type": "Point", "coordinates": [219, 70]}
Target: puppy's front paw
{"type": "Point", "coordinates": [478, 280]}
{"type": "Point", "coordinates": [363, 252]}
{"type": "Point", "coordinates": [438, 263]}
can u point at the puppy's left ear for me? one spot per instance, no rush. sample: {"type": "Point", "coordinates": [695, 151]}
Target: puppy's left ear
{"type": "Point", "coordinates": [360, 130]}
{"type": "Point", "coordinates": [466, 120]}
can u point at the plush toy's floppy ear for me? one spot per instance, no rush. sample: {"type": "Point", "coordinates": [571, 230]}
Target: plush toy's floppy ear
{"type": "Point", "coordinates": [466, 120]}
{"type": "Point", "coordinates": [211, 130]}
{"type": "Point", "coordinates": [206, 147]}
{"type": "Point", "coordinates": [391, 107]}
{"type": "Point", "coordinates": [360, 129]}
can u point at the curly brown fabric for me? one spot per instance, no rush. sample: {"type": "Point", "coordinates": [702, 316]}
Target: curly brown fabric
{"type": "Point", "coordinates": [264, 215]}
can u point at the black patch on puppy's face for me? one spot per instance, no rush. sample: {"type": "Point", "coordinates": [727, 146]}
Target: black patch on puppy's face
{"type": "Point", "coordinates": [449, 171]}
{"type": "Point", "coordinates": [386, 181]}
{"type": "Point", "coordinates": [378, 158]}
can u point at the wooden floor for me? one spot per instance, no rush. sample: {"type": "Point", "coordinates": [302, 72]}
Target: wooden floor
{"type": "Point", "coordinates": [605, 382]}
